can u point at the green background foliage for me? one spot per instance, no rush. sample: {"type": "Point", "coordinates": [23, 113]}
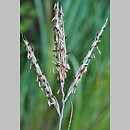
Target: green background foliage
{"type": "Point", "coordinates": [83, 19]}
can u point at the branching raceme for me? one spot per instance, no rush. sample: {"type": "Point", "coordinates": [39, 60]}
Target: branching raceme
{"type": "Point", "coordinates": [62, 66]}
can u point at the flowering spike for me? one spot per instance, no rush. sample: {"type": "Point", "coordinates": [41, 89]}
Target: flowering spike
{"type": "Point", "coordinates": [60, 46]}
{"type": "Point", "coordinates": [43, 83]}
{"type": "Point", "coordinates": [86, 61]}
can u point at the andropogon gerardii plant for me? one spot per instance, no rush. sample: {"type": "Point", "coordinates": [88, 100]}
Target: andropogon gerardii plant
{"type": "Point", "coordinates": [62, 66]}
